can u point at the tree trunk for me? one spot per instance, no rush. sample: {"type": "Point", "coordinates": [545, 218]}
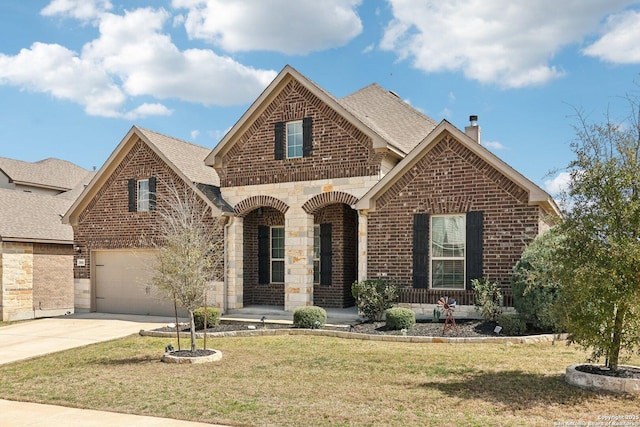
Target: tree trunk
{"type": "Point", "coordinates": [175, 311]}
{"type": "Point", "coordinates": [193, 331]}
{"type": "Point", "coordinates": [616, 341]}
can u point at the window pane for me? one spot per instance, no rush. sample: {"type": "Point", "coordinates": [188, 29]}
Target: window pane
{"type": "Point", "coordinates": [294, 139]}
{"type": "Point", "coordinates": [277, 271]}
{"type": "Point", "coordinates": [447, 274]}
{"type": "Point", "coordinates": [448, 236]}
{"type": "Point", "coordinates": [143, 195]}
{"type": "Point", "coordinates": [277, 242]}
{"type": "Point", "coordinates": [316, 271]}
{"type": "Point", "coordinates": [316, 254]}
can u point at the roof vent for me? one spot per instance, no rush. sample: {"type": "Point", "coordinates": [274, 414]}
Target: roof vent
{"type": "Point", "coordinates": [394, 94]}
{"type": "Point", "coordinates": [473, 130]}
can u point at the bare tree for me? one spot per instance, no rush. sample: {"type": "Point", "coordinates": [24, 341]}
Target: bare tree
{"type": "Point", "coordinates": [190, 250]}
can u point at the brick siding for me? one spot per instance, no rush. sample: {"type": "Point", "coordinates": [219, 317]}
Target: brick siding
{"type": "Point", "coordinates": [106, 222]}
{"type": "Point", "coordinates": [340, 150]}
{"type": "Point", "coordinates": [450, 179]}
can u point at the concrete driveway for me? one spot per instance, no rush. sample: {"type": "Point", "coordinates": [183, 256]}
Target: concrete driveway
{"type": "Point", "coordinates": [41, 336]}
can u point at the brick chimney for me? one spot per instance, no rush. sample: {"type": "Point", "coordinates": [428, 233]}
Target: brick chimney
{"type": "Point", "coordinates": [473, 130]}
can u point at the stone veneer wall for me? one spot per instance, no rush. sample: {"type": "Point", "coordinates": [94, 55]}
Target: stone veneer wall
{"type": "Point", "coordinates": [36, 280]}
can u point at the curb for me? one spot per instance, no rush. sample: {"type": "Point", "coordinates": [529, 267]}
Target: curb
{"type": "Point", "coordinates": [531, 339]}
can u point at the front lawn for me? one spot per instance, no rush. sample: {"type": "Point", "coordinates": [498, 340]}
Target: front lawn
{"type": "Point", "coordinates": [304, 380]}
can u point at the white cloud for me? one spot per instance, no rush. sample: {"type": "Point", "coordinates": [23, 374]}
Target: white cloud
{"type": "Point", "coordinates": [500, 42]}
{"type": "Point", "coordinates": [84, 10]}
{"type": "Point", "coordinates": [493, 145]}
{"type": "Point", "coordinates": [620, 44]}
{"type": "Point", "coordinates": [446, 113]}
{"type": "Point", "coordinates": [131, 57]}
{"type": "Point", "coordinates": [283, 26]}
{"type": "Point", "coordinates": [558, 184]}
{"type": "Point", "coordinates": [195, 133]}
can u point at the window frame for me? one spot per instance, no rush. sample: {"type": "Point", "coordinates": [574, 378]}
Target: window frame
{"type": "Point", "coordinates": [143, 198]}
{"type": "Point", "coordinates": [298, 139]}
{"type": "Point", "coordinates": [462, 259]}
{"type": "Point", "coordinates": [273, 259]}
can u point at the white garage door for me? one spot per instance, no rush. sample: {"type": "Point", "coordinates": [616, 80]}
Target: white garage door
{"type": "Point", "coordinates": [123, 284]}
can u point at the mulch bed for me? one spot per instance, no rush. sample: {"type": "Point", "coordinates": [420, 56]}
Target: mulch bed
{"type": "Point", "coordinates": [622, 372]}
{"type": "Point", "coordinates": [465, 328]}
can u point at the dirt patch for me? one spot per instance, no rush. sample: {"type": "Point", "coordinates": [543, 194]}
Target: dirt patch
{"type": "Point", "coordinates": [622, 372]}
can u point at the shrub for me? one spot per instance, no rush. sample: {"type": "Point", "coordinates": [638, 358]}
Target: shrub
{"type": "Point", "coordinates": [373, 297]}
{"type": "Point", "coordinates": [213, 317]}
{"type": "Point", "coordinates": [400, 318]}
{"type": "Point", "coordinates": [512, 324]}
{"type": "Point", "coordinates": [309, 317]}
{"type": "Point", "coordinates": [488, 298]}
{"type": "Point", "coordinates": [534, 290]}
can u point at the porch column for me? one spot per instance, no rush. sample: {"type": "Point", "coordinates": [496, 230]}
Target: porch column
{"type": "Point", "coordinates": [298, 253]}
{"type": "Point", "coordinates": [234, 265]}
{"type": "Point", "coordinates": [362, 245]}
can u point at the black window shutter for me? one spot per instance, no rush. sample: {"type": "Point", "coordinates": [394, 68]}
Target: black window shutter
{"type": "Point", "coordinates": [133, 200]}
{"type": "Point", "coordinates": [263, 254]}
{"type": "Point", "coordinates": [421, 250]}
{"type": "Point", "coordinates": [152, 193]}
{"type": "Point", "coordinates": [307, 137]}
{"type": "Point", "coordinates": [279, 140]}
{"type": "Point", "coordinates": [474, 246]}
{"type": "Point", "coordinates": [325, 254]}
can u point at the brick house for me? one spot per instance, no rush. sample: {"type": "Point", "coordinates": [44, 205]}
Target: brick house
{"type": "Point", "coordinates": [36, 249]}
{"type": "Point", "coordinates": [314, 192]}
{"type": "Point", "coordinates": [113, 221]}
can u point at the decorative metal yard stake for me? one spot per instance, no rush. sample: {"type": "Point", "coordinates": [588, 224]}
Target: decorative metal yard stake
{"type": "Point", "coordinates": [448, 306]}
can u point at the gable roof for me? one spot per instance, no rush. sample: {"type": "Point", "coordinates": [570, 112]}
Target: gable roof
{"type": "Point", "coordinates": [32, 217]}
{"type": "Point", "coordinates": [371, 110]}
{"type": "Point", "coordinates": [48, 173]}
{"type": "Point", "coordinates": [391, 117]}
{"type": "Point", "coordinates": [537, 196]}
{"type": "Point", "coordinates": [184, 158]}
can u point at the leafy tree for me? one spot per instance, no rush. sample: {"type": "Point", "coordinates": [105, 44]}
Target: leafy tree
{"type": "Point", "coordinates": [190, 252]}
{"type": "Point", "coordinates": [534, 288]}
{"type": "Point", "coordinates": [598, 261]}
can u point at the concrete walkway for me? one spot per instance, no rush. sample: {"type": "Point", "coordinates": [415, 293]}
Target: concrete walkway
{"type": "Point", "coordinates": [33, 338]}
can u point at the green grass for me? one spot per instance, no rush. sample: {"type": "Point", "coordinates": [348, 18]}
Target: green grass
{"type": "Point", "coordinates": [303, 380]}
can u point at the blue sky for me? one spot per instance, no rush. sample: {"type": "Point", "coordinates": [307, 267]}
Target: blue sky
{"type": "Point", "coordinates": [75, 75]}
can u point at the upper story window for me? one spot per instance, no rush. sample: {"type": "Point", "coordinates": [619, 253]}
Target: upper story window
{"type": "Point", "coordinates": [448, 239]}
{"type": "Point", "coordinates": [294, 139]}
{"type": "Point", "coordinates": [142, 194]}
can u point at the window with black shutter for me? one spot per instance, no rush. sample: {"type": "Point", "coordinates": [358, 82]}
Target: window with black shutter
{"type": "Point", "coordinates": [421, 250]}
{"type": "Point", "coordinates": [279, 140]}
{"type": "Point", "coordinates": [263, 254]}
{"type": "Point", "coordinates": [152, 193]}
{"type": "Point", "coordinates": [474, 246]}
{"type": "Point", "coordinates": [325, 254]}
{"type": "Point", "coordinates": [133, 199]}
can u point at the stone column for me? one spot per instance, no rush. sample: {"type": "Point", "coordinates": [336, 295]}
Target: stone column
{"type": "Point", "coordinates": [298, 253]}
{"type": "Point", "coordinates": [234, 263]}
{"type": "Point", "coordinates": [362, 245]}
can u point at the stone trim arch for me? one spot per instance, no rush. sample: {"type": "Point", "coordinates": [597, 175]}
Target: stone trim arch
{"type": "Point", "coordinates": [243, 208]}
{"type": "Point", "coordinates": [331, 197]}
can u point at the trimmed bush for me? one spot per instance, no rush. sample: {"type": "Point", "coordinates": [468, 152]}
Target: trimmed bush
{"type": "Point", "coordinates": [400, 318]}
{"type": "Point", "coordinates": [512, 324]}
{"type": "Point", "coordinates": [309, 317]}
{"type": "Point", "coordinates": [534, 289]}
{"type": "Point", "coordinates": [373, 297]}
{"type": "Point", "coordinates": [488, 298]}
{"type": "Point", "coordinates": [213, 317]}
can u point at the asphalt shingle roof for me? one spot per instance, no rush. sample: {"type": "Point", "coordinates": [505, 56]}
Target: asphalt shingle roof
{"type": "Point", "coordinates": [187, 157]}
{"type": "Point", "coordinates": [389, 116]}
{"type": "Point", "coordinates": [49, 173]}
{"type": "Point", "coordinates": [32, 216]}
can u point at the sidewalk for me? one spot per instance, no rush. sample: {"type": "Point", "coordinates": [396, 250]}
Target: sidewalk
{"type": "Point", "coordinates": [24, 414]}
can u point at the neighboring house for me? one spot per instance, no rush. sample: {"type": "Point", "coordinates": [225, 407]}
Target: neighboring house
{"type": "Point", "coordinates": [114, 220]}
{"type": "Point", "coordinates": [316, 192]}
{"type": "Point", "coordinates": [36, 249]}
{"type": "Point", "coordinates": [48, 176]}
